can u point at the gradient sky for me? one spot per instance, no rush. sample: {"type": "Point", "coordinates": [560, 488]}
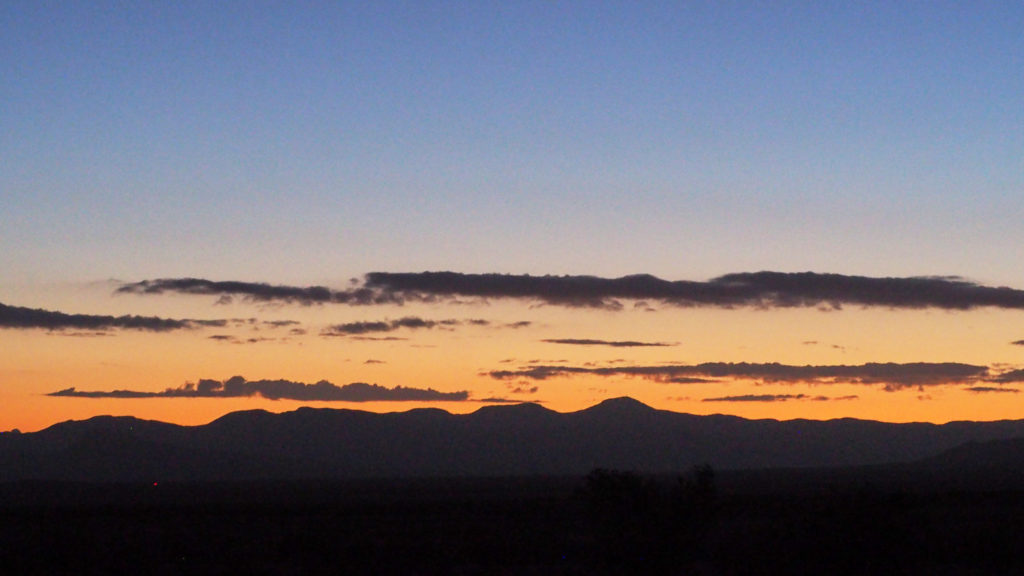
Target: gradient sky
{"type": "Point", "coordinates": [307, 146]}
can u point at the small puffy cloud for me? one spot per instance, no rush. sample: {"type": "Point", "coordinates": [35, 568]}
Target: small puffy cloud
{"type": "Point", "coordinates": [323, 391]}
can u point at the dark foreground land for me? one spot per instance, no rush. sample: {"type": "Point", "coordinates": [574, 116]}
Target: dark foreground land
{"type": "Point", "coordinates": [605, 523]}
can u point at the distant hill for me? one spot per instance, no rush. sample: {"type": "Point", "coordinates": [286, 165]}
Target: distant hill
{"type": "Point", "coordinates": [506, 440]}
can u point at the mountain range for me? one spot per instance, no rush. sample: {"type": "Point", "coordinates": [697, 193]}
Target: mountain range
{"type": "Point", "coordinates": [505, 440]}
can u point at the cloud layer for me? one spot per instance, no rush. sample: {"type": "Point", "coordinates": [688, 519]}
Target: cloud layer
{"type": "Point", "coordinates": [410, 322]}
{"type": "Point", "coordinates": [766, 398]}
{"type": "Point", "coordinates": [748, 289]}
{"type": "Point", "coordinates": [892, 376]}
{"type": "Point", "coordinates": [239, 387]}
{"type": "Point", "coordinates": [612, 343]}
{"type": "Point", "coordinates": [19, 317]}
{"type": "Point", "coordinates": [257, 291]}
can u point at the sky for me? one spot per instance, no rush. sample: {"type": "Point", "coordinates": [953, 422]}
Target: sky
{"type": "Point", "coordinates": [774, 210]}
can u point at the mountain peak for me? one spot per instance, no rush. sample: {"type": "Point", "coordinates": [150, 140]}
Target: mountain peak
{"type": "Point", "coordinates": [621, 405]}
{"type": "Point", "coordinates": [523, 408]}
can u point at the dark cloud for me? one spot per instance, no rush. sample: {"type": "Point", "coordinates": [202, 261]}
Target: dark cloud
{"type": "Point", "coordinates": [747, 289]}
{"type": "Point", "coordinates": [893, 376]}
{"type": "Point", "coordinates": [409, 322]}
{"type": "Point", "coordinates": [758, 289]}
{"type": "Point", "coordinates": [689, 380]}
{"type": "Point", "coordinates": [26, 318]}
{"type": "Point", "coordinates": [612, 343]}
{"type": "Point", "coordinates": [1008, 377]}
{"type": "Point", "coordinates": [72, 392]}
{"type": "Point", "coordinates": [324, 391]}
{"type": "Point", "coordinates": [259, 292]}
{"type": "Point", "coordinates": [1018, 342]}
{"type": "Point", "coordinates": [776, 398]}
{"type": "Point", "coordinates": [235, 340]}
{"type": "Point", "coordinates": [357, 328]}
{"type": "Point", "coordinates": [256, 324]}
{"type": "Point", "coordinates": [983, 389]}
{"type": "Point", "coordinates": [765, 398]}
{"type": "Point", "coordinates": [280, 323]}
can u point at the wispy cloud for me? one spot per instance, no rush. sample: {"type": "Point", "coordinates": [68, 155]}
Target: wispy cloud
{"type": "Point", "coordinates": [612, 343]}
{"type": "Point", "coordinates": [236, 340]}
{"type": "Point", "coordinates": [239, 387]}
{"type": "Point", "coordinates": [892, 376]}
{"type": "Point", "coordinates": [758, 289]}
{"type": "Point", "coordinates": [747, 289]}
{"type": "Point", "coordinates": [258, 291]}
{"type": "Point", "coordinates": [986, 389]}
{"type": "Point", "coordinates": [1009, 377]}
{"type": "Point", "coordinates": [410, 322]}
{"type": "Point", "coordinates": [17, 317]}
{"type": "Point", "coordinates": [767, 398]}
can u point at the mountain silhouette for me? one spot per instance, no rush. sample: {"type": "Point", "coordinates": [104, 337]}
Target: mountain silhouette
{"type": "Point", "coordinates": [1005, 454]}
{"type": "Point", "coordinates": [501, 440]}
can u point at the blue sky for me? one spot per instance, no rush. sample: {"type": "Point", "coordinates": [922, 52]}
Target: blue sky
{"type": "Point", "coordinates": [325, 140]}
{"type": "Point", "coordinates": [312, 143]}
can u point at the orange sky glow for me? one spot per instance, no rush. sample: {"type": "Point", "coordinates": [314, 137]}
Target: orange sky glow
{"type": "Point", "coordinates": [469, 342]}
